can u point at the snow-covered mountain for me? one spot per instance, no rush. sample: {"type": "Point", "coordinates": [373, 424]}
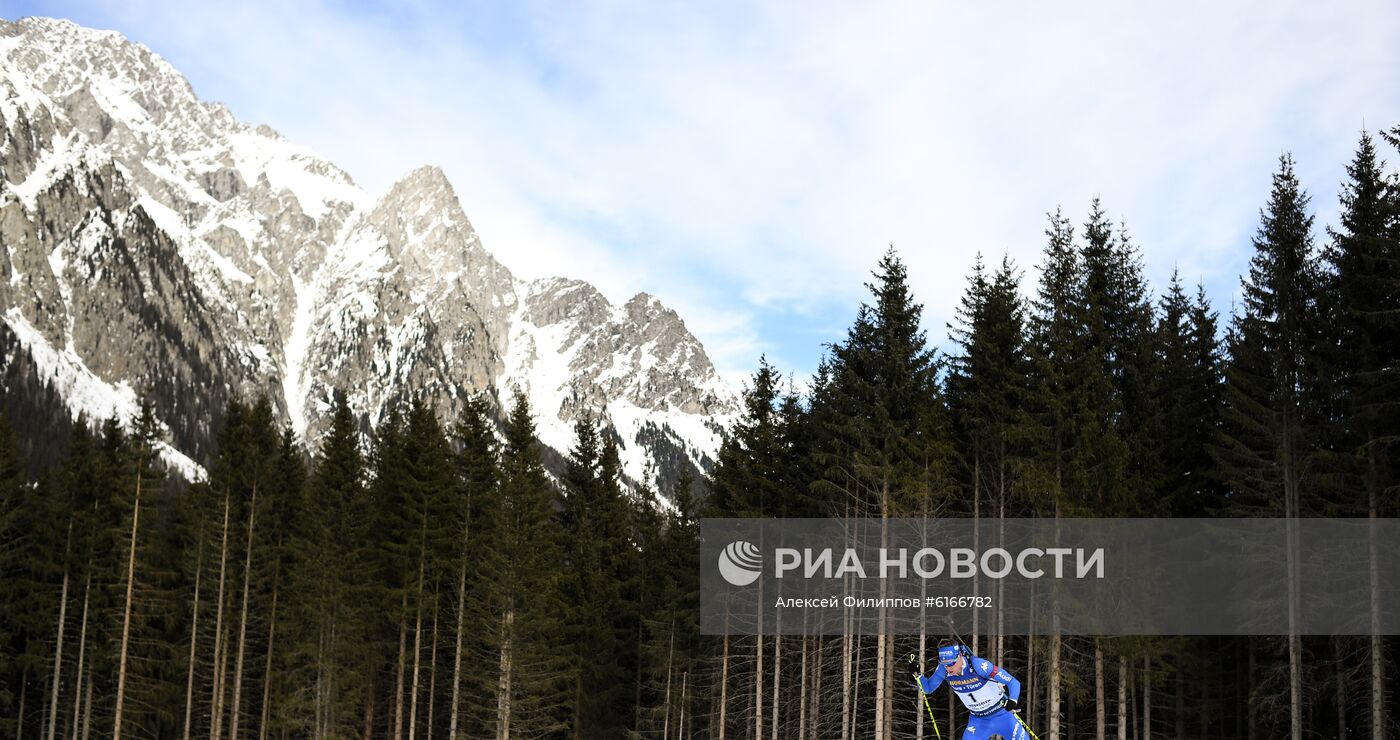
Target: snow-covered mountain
{"type": "Point", "coordinates": [154, 245]}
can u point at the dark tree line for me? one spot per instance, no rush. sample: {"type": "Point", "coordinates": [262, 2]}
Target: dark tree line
{"type": "Point", "coordinates": [438, 581]}
{"type": "Point", "coordinates": [1093, 397]}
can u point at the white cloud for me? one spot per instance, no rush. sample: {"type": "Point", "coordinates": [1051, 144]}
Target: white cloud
{"type": "Point", "coordinates": [748, 164]}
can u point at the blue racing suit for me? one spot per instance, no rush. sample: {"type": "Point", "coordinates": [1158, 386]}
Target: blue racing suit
{"type": "Point", "coordinates": [981, 686]}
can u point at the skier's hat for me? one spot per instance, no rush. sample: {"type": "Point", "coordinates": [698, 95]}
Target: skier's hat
{"type": "Point", "coordinates": [949, 654]}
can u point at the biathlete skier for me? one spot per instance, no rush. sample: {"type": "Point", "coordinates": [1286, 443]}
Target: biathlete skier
{"type": "Point", "coordinates": [987, 691]}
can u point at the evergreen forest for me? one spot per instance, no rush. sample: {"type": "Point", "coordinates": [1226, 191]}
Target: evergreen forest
{"type": "Point", "coordinates": [429, 578]}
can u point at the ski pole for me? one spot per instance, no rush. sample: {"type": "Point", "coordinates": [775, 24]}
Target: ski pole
{"type": "Point", "coordinates": [919, 684]}
{"type": "Point", "coordinates": [936, 733]}
{"type": "Point", "coordinates": [1025, 726]}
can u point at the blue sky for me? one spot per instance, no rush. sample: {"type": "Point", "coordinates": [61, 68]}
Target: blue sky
{"type": "Point", "coordinates": [748, 163]}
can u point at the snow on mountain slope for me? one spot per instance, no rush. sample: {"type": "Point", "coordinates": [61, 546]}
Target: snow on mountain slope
{"type": "Point", "coordinates": [155, 245]}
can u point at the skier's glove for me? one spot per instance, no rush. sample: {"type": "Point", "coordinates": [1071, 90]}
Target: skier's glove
{"type": "Point", "coordinates": [1010, 705]}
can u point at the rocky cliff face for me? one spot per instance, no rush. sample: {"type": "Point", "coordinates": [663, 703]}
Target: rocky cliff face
{"type": "Point", "coordinates": [155, 246]}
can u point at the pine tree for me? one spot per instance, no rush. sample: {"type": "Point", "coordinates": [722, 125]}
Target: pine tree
{"type": "Point", "coordinates": [331, 589]}
{"type": "Point", "coordinates": [986, 385]}
{"type": "Point", "coordinates": [673, 648]}
{"type": "Point", "coordinates": [741, 483]}
{"type": "Point", "coordinates": [479, 599]}
{"type": "Point", "coordinates": [1107, 342]}
{"type": "Point", "coordinates": [1271, 343]}
{"type": "Point", "coordinates": [1272, 387]}
{"type": "Point", "coordinates": [430, 483]}
{"type": "Point", "coordinates": [1059, 365]}
{"type": "Point", "coordinates": [1188, 383]}
{"type": "Point", "coordinates": [1360, 294]}
{"type": "Point", "coordinates": [584, 568]}
{"type": "Point", "coordinates": [746, 482]}
{"type": "Point", "coordinates": [288, 479]}
{"type": "Point", "coordinates": [1061, 430]}
{"type": "Point", "coordinates": [640, 520]}
{"type": "Point", "coordinates": [136, 476]}
{"type": "Point", "coordinates": [21, 554]}
{"type": "Point", "coordinates": [599, 552]}
{"type": "Point", "coordinates": [875, 447]}
{"type": "Point", "coordinates": [987, 394]}
{"type": "Point", "coordinates": [395, 562]}
{"type": "Point", "coordinates": [258, 445]}
{"type": "Point", "coordinates": [532, 678]}
{"type": "Point", "coordinates": [81, 486]}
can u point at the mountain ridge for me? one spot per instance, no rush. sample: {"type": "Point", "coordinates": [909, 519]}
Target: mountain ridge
{"type": "Point", "coordinates": [136, 216]}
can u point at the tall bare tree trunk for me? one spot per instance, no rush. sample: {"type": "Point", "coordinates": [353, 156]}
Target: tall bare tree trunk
{"type": "Point", "coordinates": [923, 621]}
{"type": "Point", "coordinates": [219, 708]}
{"type": "Point", "coordinates": [923, 647]}
{"type": "Point", "coordinates": [194, 640]}
{"type": "Point", "coordinates": [815, 706]}
{"type": "Point", "coordinates": [855, 693]}
{"type": "Point", "coordinates": [802, 686]}
{"type": "Point", "coordinates": [1100, 710]}
{"type": "Point", "coordinates": [503, 688]}
{"type": "Point", "coordinates": [1122, 698]}
{"type": "Point", "coordinates": [432, 668]}
{"type": "Point", "coordinates": [637, 685]}
{"type": "Point", "coordinates": [369, 709]}
{"type": "Point", "coordinates": [1132, 705]}
{"type": "Point", "coordinates": [1000, 652]}
{"type": "Point", "coordinates": [332, 648]}
{"type": "Point", "coordinates": [58, 648]}
{"type": "Point", "coordinates": [216, 700]}
{"type": "Point", "coordinates": [82, 649]}
{"type": "Point", "coordinates": [1055, 649]}
{"type": "Point", "coordinates": [680, 724]}
{"type": "Point", "coordinates": [976, 540]}
{"type": "Point", "coordinates": [666, 702]}
{"type": "Point", "coordinates": [1295, 643]}
{"type": "Point", "coordinates": [847, 648]}
{"type": "Point", "coordinates": [1054, 678]}
{"type": "Point", "coordinates": [1377, 647]}
{"type": "Point", "coordinates": [87, 711]}
{"type": "Point", "coordinates": [320, 694]}
{"type": "Point", "coordinates": [457, 652]}
{"type": "Point", "coordinates": [777, 677]}
{"type": "Point", "coordinates": [758, 673]}
{"type": "Point", "coordinates": [267, 665]}
{"type": "Point", "coordinates": [884, 643]}
{"type": "Point", "coordinates": [23, 694]}
{"type": "Point", "coordinates": [1033, 669]}
{"type": "Point", "coordinates": [881, 671]}
{"type": "Point", "coordinates": [1341, 691]}
{"type": "Point", "coordinates": [1295, 658]}
{"type": "Point", "coordinates": [398, 673]}
{"type": "Point", "coordinates": [724, 687]}
{"type": "Point", "coordinates": [846, 666]}
{"type": "Point", "coordinates": [236, 715]}
{"type": "Point", "coordinates": [670, 653]}
{"type": "Point", "coordinates": [417, 658]}
{"type": "Point", "coordinates": [126, 608]}
{"type": "Point", "coordinates": [1146, 697]}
